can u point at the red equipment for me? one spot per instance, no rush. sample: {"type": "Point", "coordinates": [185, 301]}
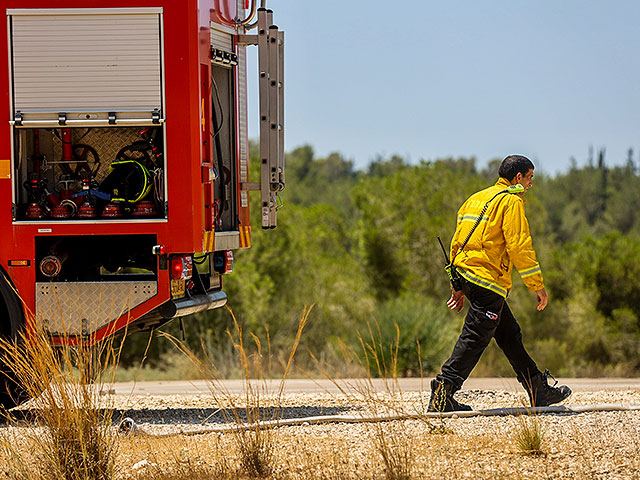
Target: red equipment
{"type": "Point", "coordinates": [51, 265]}
{"type": "Point", "coordinates": [87, 210]}
{"type": "Point", "coordinates": [112, 211]}
{"type": "Point", "coordinates": [34, 211]}
{"type": "Point", "coordinates": [67, 146]}
{"type": "Point", "coordinates": [144, 208]}
{"type": "Point", "coordinates": [170, 104]}
{"type": "Point", "coordinates": [61, 212]}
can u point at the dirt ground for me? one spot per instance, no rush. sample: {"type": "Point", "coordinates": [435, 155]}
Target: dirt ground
{"type": "Point", "coordinates": [599, 445]}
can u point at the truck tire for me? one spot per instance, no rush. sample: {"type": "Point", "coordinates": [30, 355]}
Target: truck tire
{"type": "Point", "coordinates": [12, 323]}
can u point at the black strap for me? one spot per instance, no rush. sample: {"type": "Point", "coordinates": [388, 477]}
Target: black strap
{"type": "Point", "coordinates": [475, 225]}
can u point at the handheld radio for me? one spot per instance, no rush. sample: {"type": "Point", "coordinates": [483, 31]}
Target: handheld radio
{"type": "Point", "coordinates": [454, 277]}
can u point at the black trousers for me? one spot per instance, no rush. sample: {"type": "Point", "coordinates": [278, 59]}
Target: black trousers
{"type": "Point", "coordinates": [488, 317]}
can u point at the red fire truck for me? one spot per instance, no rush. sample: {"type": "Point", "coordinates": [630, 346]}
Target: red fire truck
{"type": "Point", "coordinates": [124, 175]}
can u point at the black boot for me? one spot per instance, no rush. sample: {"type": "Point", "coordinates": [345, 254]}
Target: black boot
{"type": "Point", "coordinates": [442, 398]}
{"type": "Point", "coordinates": [541, 394]}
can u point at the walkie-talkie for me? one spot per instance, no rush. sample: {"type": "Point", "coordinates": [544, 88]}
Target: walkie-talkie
{"type": "Point", "coordinates": [454, 277]}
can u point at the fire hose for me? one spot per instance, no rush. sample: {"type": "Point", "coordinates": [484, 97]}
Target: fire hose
{"type": "Point", "coordinates": [129, 427]}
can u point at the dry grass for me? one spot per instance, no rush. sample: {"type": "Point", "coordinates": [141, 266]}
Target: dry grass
{"type": "Point", "coordinates": [529, 435]}
{"type": "Point", "coordinates": [175, 459]}
{"type": "Point", "coordinates": [391, 443]}
{"type": "Point", "coordinates": [255, 446]}
{"type": "Point", "coordinates": [396, 449]}
{"type": "Point", "coordinates": [577, 446]}
{"type": "Point", "coordinates": [332, 452]}
{"type": "Point", "coordinates": [74, 439]}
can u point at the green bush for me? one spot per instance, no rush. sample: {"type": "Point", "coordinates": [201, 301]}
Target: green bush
{"type": "Point", "coordinates": [421, 330]}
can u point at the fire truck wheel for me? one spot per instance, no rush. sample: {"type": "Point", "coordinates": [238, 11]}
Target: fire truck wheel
{"type": "Point", "coordinates": [11, 392]}
{"type": "Point", "coordinates": [91, 367]}
{"type": "Point", "coordinates": [11, 324]}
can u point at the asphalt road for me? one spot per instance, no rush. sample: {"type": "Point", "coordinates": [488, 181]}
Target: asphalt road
{"type": "Point", "coordinates": [319, 386]}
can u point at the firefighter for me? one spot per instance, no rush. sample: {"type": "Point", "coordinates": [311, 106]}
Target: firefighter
{"type": "Point", "coordinates": [492, 235]}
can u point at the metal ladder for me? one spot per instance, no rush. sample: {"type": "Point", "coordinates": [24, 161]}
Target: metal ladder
{"type": "Point", "coordinates": [270, 42]}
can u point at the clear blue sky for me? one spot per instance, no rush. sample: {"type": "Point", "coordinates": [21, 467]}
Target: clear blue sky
{"type": "Point", "coordinates": [431, 79]}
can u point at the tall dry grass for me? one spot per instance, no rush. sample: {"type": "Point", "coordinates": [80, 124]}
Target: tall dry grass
{"type": "Point", "coordinates": [73, 438]}
{"type": "Point", "coordinates": [255, 446]}
{"type": "Point", "coordinates": [393, 444]}
{"type": "Point", "coordinates": [177, 459]}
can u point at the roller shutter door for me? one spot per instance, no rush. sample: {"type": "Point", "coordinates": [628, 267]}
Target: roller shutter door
{"type": "Point", "coordinates": [86, 60]}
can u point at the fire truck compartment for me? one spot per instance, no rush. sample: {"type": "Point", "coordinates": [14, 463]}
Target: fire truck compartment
{"type": "Point", "coordinates": [224, 147]}
{"type": "Point", "coordinates": [80, 174]}
{"type": "Point", "coordinates": [96, 258]}
{"type": "Point", "coordinates": [86, 95]}
{"type": "Point", "coordinates": [85, 282]}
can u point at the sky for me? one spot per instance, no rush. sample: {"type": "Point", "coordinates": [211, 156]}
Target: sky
{"type": "Point", "coordinates": [433, 79]}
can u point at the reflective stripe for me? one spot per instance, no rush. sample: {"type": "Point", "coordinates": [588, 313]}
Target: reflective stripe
{"type": "Point", "coordinates": [531, 271]}
{"type": "Point", "coordinates": [472, 218]}
{"type": "Point", "coordinates": [483, 283]}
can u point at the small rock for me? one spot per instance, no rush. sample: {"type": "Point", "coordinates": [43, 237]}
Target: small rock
{"type": "Point", "coordinates": [141, 464]}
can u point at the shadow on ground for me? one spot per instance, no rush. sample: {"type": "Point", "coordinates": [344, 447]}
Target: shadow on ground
{"type": "Point", "coordinates": [196, 416]}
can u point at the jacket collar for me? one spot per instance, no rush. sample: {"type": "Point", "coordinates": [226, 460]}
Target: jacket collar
{"type": "Point", "coordinates": [502, 182]}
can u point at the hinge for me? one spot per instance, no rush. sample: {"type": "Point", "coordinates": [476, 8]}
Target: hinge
{"type": "Point", "coordinates": [249, 186]}
{"type": "Point", "coordinates": [247, 39]}
{"type": "Point", "coordinates": [221, 57]}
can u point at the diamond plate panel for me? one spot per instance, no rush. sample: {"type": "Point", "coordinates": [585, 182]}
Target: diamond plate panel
{"type": "Point", "coordinates": [106, 141]}
{"type": "Point", "coordinates": [81, 308]}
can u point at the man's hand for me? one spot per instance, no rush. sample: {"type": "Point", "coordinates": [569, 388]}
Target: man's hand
{"type": "Point", "coordinates": [456, 302]}
{"type": "Point", "coordinates": [543, 299]}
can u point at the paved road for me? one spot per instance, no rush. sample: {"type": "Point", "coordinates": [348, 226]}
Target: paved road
{"type": "Point", "coordinates": [406, 384]}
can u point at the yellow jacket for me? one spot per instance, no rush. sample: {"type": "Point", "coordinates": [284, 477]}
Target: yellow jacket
{"type": "Point", "coordinates": [502, 239]}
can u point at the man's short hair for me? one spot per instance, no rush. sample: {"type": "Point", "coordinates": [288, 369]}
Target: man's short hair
{"type": "Point", "coordinates": [514, 164]}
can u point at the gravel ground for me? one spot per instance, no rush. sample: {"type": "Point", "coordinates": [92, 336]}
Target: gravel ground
{"type": "Point", "coordinates": [179, 413]}
{"type": "Point", "coordinates": [588, 445]}
{"type": "Point", "coordinates": [167, 413]}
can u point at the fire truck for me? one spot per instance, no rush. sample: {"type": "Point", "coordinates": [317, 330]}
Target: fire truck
{"type": "Point", "coordinates": [124, 169]}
